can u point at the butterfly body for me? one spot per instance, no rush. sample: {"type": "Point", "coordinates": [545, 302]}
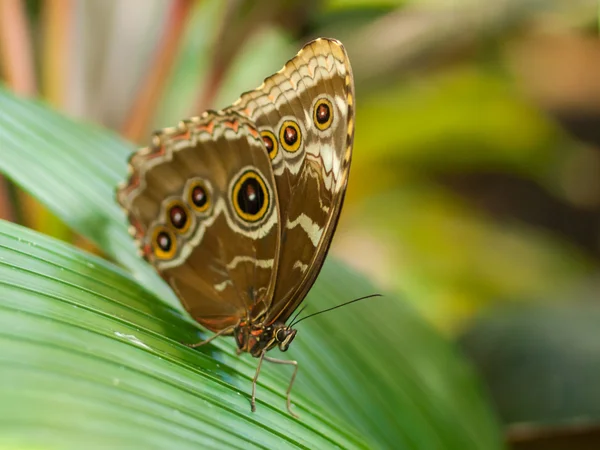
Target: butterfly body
{"type": "Point", "coordinates": [257, 338]}
{"type": "Point", "coordinates": [236, 208]}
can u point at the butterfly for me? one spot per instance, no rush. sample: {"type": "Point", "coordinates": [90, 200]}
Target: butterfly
{"type": "Point", "coordinates": [236, 208]}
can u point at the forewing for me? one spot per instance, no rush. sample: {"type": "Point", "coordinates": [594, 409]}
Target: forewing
{"type": "Point", "coordinates": [222, 263]}
{"type": "Point", "coordinates": [311, 173]}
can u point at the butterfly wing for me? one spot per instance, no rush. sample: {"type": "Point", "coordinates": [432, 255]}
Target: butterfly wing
{"type": "Point", "coordinates": [305, 114]}
{"type": "Point", "coordinates": [203, 209]}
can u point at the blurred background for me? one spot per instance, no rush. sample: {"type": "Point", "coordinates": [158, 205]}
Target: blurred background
{"type": "Point", "coordinates": [475, 184]}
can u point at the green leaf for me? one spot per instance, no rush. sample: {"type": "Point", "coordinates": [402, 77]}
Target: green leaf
{"type": "Point", "coordinates": [82, 337]}
{"type": "Point", "coordinates": [74, 170]}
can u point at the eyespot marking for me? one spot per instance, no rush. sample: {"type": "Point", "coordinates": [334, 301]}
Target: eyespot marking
{"type": "Point", "coordinates": [250, 196]}
{"type": "Point", "coordinates": [323, 114]}
{"type": "Point", "coordinates": [270, 142]}
{"type": "Point", "coordinates": [199, 197]}
{"type": "Point", "coordinates": [178, 216]}
{"type": "Point", "coordinates": [290, 136]}
{"type": "Point", "coordinates": [164, 243]}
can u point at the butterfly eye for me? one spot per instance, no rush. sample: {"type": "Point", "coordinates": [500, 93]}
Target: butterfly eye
{"type": "Point", "coordinates": [290, 136]}
{"type": "Point", "coordinates": [270, 143]}
{"type": "Point", "coordinates": [178, 216]}
{"type": "Point", "coordinates": [199, 197]}
{"type": "Point", "coordinates": [164, 243]}
{"type": "Point", "coordinates": [323, 114]}
{"type": "Point", "coordinates": [250, 197]}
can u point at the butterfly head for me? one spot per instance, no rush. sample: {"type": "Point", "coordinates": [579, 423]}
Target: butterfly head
{"type": "Point", "coordinates": [284, 335]}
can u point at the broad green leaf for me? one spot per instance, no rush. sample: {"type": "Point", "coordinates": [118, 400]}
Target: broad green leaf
{"type": "Point", "coordinates": [74, 170]}
{"type": "Point", "coordinates": [85, 349]}
{"type": "Point", "coordinates": [371, 375]}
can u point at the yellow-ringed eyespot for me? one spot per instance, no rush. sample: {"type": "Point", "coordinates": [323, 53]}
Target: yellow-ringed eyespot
{"type": "Point", "coordinates": [199, 197]}
{"type": "Point", "coordinates": [164, 243]}
{"type": "Point", "coordinates": [290, 136]}
{"type": "Point", "coordinates": [179, 216]}
{"type": "Point", "coordinates": [250, 197]}
{"type": "Point", "coordinates": [323, 114]}
{"type": "Point", "coordinates": [270, 142]}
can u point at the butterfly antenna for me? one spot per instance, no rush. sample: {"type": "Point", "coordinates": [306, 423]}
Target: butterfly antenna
{"type": "Point", "coordinates": [332, 308]}
{"type": "Point", "coordinates": [297, 314]}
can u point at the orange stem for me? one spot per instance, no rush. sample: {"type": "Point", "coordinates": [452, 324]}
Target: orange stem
{"type": "Point", "coordinates": [17, 67]}
{"type": "Point", "coordinates": [16, 48]}
{"type": "Point", "coordinates": [57, 24]}
{"type": "Point", "coordinates": [152, 87]}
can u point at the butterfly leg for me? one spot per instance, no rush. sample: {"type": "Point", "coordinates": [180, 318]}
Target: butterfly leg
{"type": "Point", "coordinates": [289, 390]}
{"type": "Point", "coordinates": [206, 341]}
{"type": "Point", "coordinates": [254, 380]}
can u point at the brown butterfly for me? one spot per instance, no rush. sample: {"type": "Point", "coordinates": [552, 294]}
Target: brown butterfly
{"type": "Point", "coordinates": [236, 208]}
